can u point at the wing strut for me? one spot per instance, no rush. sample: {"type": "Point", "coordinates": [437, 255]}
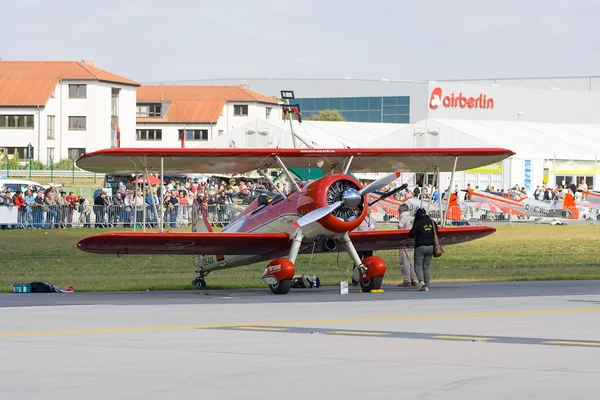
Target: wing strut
{"type": "Point", "coordinates": [287, 173]}
{"type": "Point", "coordinates": [152, 199]}
{"type": "Point", "coordinates": [263, 173]}
{"type": "Point", "coordinates": [161, 218]}
{"type": "Point", "coordinates": [348, 163]}
{"type": "Point", "coordinates": [445, 214]}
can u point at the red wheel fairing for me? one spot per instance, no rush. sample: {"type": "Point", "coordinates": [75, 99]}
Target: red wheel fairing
{"type": "Point", "coordinates": [279, 269]}
{"type": "Point", "coordinates": [375, 267]}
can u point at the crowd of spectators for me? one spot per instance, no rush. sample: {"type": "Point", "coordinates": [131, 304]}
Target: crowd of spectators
{"type": "Point", "coordinates": [131, 203]}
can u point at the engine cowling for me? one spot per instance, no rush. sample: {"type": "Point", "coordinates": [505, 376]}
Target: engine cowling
{"type": "Point", "coordinates": [327, 191]}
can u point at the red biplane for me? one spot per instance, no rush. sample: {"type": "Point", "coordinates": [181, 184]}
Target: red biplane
{"type": "Point", "coordinates": [315, 216]}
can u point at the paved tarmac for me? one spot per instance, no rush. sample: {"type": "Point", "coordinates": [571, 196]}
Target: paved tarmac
{"type": "Point", "coordinates": [481, 340]}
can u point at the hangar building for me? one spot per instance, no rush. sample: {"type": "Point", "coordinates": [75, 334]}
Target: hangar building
{"type": "Point", "coordinates": [552, 124]}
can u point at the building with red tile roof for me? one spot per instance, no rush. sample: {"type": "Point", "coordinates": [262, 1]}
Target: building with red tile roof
{"type": "Point", "coordinates": [62, 108]}
{"type": "Point", "coordinates": [204, 112]}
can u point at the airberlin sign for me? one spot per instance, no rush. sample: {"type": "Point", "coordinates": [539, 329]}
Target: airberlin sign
{"type": "Point", "coordinates": [454, 100]}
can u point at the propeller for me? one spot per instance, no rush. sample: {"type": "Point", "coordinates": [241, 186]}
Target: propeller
{"type": "Point", "coordinates": [388, 194]}
{"type": "Point", "coordinates": [350, 198]}
{"type": "Point", "coordinates": [317, 214]}
{"type": "Point", "coordinates": [380, 183]}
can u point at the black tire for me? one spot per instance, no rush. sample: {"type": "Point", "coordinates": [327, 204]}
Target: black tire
{"type": "Point", "coordinates": [281, 287]}
{"type": "Point", "coordinates": [372, 284]}
{"type": "Point", "coordinates": [198, 282]}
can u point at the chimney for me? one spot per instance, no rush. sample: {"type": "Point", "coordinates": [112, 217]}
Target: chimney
{"type": "Point", "coordinates": [88, 61]}
{"type": "Point", "coordinates": [244, 86]}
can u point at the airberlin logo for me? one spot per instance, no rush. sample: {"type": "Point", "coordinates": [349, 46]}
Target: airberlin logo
{"type": "Point", "coordinates": [453, 101]}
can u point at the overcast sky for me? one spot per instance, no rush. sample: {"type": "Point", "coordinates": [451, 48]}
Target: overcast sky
{"type": "Point", "coordinates": [160, 40]}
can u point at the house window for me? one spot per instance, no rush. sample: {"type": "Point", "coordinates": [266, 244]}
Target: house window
{"type": "Point", "coordinates": [50, 155]}
{"type": "Point", "coordinates": [20, 151]}
{"type": "Point", "coordinates": [75, 153]}
{"type": "Point", "coordinates": [149, 110]}
{"type": "Point", "coordinates": [268, 113]}
{"type": "Point", "coordinates": [77, 123]}
{"type": "Point", "coordinates": [77, 91]}
{"type": "Point", "coordinates": [51, 119]}
{"type": "Point", "coordinates": [149, 134]}
{"type": "Point", "coordinates": [142, 111]}
{"type": "Point", "coordinates": [194, 134]}
{"type": "Point", "coordinates": [240, 110]}
{"type": "Point", "coordinates": [16, 121]}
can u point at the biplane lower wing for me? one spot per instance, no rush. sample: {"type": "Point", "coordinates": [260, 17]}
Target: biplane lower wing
{"type": "Point", "coordinates": [255, 243]}
{"type": "Point", "coordinates": [185, 243]}
{"type": "Point", "coordinates": [394, 239]}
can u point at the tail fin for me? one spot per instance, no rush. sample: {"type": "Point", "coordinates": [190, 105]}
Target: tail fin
{"type": "Point", "coordinates": [570, 206]}
{"type": "Point", "coordinates": [454, 212]}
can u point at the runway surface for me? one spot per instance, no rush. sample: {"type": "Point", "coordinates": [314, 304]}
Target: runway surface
{"type": "Point", "coordinates": [480, 340]}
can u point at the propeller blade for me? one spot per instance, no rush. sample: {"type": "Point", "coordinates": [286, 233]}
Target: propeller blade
{"type": "Point", "coordinates": [317, 214]}
{"type": "Point", "coordinates": [388, 194]}
{"type": "Point", "coordinates": [378, 184]}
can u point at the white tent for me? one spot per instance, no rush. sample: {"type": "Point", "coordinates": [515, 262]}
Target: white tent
{"type": "Point", "coordinates": [527, 139]}
{"type": "Point", "coordinates": [277, 134]}
{"type": "Point", "coordinates": [545, 152]}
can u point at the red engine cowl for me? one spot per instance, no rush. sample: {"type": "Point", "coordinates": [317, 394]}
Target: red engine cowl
{"type": "Point", "coordinates": [328, 190]}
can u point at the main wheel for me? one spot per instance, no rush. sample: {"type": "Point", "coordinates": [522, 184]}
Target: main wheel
{"type": "Point", "coordinates": [281, 287]}
{"type": "Point", "coordinates": [372, 284]}
{"type": "Point", "coordinates": [199, 282]}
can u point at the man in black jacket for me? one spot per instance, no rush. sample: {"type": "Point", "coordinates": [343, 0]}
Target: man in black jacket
{"type": "Point", "coordinates": [422, 232]}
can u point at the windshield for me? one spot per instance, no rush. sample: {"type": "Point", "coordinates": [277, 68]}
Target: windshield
{"type": "Point", "coordinates": [516, 195]}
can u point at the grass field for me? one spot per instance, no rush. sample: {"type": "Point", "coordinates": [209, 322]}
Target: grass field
{"type": "Point", "coordinates": [512, 253]}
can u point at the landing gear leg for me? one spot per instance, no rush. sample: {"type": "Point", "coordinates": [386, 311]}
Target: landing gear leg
{"type": "Point", "coordinates": [296, 246]}
{"type": "Point", "coordinates": [370, 271]}
{"type": "Point", "coordinates": [199, 280]}
{"type": "Point", "coordinates": [361, 270]}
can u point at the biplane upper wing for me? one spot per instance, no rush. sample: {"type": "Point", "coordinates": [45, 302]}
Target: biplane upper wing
{"type": "Point", "coordinates": [255, 243]}
{"type": "Point", "coordinates": [238, 161]}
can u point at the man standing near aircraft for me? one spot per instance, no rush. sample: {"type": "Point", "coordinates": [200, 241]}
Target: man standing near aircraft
{"type": "Point", "coordinates": [422, 232]}
{"type": "Point", "coordinates": [407, 265]}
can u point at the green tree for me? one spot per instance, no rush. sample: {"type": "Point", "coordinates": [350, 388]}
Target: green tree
{"type": "Point", "coordinates": [37, 165]}
{"type": "Point", "coordinates": [64, 165]}
{"type": "Point", "coordinates": [13, 161]}
{"type": "Point", "coordinates": [327, 115]}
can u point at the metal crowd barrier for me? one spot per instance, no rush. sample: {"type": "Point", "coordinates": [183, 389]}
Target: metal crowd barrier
{"type": "Point", "coordinates": [91, 216]}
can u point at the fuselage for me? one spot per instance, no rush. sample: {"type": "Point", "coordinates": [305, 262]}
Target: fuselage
{"type": "Point", "coordinates": [592, 199]}
{"type": "Point", "coordinates": [523, 205]}
{"type": "Point", "coordinates": [278, 216]}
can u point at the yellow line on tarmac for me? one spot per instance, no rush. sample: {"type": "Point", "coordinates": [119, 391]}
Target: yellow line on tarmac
{"type": "Point", "coordinates": [573, 343]}
{"type": "Point", "coordinates": [305, 322]}
{"type": "Point", "coordinates": [364, 333]}
{"type": "Point", "coordinates": [261, 328]}
{"type": "Point", "coordinates": [462, 337]}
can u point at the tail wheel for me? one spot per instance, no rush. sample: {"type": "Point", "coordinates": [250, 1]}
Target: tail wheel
{"type": "Point", "coordinates": [372, 284]}
{"type": "Point", "coordinates": [281, 287]}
